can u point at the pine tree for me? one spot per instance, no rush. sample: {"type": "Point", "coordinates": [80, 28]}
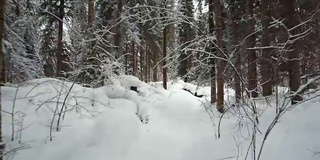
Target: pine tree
{"type": "Point", "coordinates": [2, 68]}
{"type": "Point", "coordinates": [251, 54]}
{"type": "Point", "coordinates": [62, 57]}
{"type": "Point", "coordinates": [48, 33]}
{"type": "Point", "coordinates": [221, 63]}
{"type": "Point", "coordinates": [91, 13]}
{"type": "Point", "coordinates": [164, 48]}
{"type": "Point", "coordinates": [212, 51]}
{"type": "Point", "coordinates": [186, 34]}
{"type": "Point", "coordinates": [237, 8]}
{"type": "Point", "coordinates": [266, 62]}
{"type": "Point", "coordinates": [293, 57]}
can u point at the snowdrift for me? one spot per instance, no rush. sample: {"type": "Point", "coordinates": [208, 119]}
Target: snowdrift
{"type": "Point", "coordinates": [115, 123]}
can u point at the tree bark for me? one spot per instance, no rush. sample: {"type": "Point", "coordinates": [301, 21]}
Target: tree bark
{"type": "Point", "coordinates": [62, 58]}
{"type": "Point", "coordinates": [293, 56]}
{"type": "Point", "coordinates": [164, 67]}
{"type": "Point", "coordinates": [221, 63]}
{"type": "Point", "coordinates": [127, 59]}
{"type": "Point", "coordinates": [147, 70]}
{"type": "Point", "coordinates": [237, 82]}
{"type": "Point", "coordinates": [164, 49]}
{"type": "Point", "coordinates": [134, 60]}
{"type": "Point", "coordinates": [118, 37]}
{"type": "Point", "coordinates": [142, 60]}
{"type": "Point", "coordinates": [155, 66]}
{"type": "Point", "coordinates": [235, 13]}
{"type": "Point", "coordinates": [2, 67]}
{"type": "Point", "coordinates": [212, 51]}
{"type": "Point", "coordinates": [266, 65]}
{"type": "Point", "coordinates": [186, 34]}
{"type": "Point", "coordinates": [90, 13]}
{"type": "Point", "coordinates": [252, 57]}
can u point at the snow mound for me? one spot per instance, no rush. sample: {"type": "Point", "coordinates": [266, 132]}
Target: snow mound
{"type": "Point", "coordinates": [105, 123]}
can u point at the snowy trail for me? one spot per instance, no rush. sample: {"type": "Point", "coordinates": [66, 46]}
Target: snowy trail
{"type": "Point", "coordinates": [172, 129]}
{"type": "Point", "coordinates": [178, 129]}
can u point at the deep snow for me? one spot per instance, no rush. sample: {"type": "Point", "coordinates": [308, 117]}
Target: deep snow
{"type": "Point", "coordinates": [115, 123]}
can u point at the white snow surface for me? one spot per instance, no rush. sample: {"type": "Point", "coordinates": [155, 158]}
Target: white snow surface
{"type": "Point", "coordinates": [105, 124]}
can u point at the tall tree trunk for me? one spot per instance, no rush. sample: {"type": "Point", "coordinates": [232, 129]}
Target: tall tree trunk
{"type": "Point", "coordinates": [2, 31]}
{"type": "Point", "coordinates": [221, 63]}
{"type": "Point", "coordinates": [142, 60]}
{"type": "Point", "coordinates": [155, 66]}
{"type": "Point", "coordinates": [118, 38]}
{"type": "Point", "coordinates": [164, 49]}
{"type": "Point", "coordinates": [62, 58]}
{"type": "Point", "coordinates": [165, 78]}
{"type": "Point", "coordinates": [252, 57]}
{"type": "Point", "coordinates": [134, 60]}
{"type": "Point", "coordinates": [235, 38]}
{"type": "Point", "coordinates": [237, 82]}
{"type": "Point", "coordinates": [186, 34]}
{"type": "Point", "coordinates": [90, 13]}
{"type": "Point", "coordinates": [127, 59]}
{"type": "Point", "coordinates": [147, 70]}
{"type": "Point", "coordinates": [212, 51]}
{"type": "Point", "coordinates": [293, 56]}
{"type": "Point", "coordinates": [2, 67]}
{"type": "Point", "coordinates": [266, 65]}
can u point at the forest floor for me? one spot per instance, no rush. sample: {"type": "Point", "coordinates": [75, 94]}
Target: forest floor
{"type": "Point", "coordinates": [115, 123]}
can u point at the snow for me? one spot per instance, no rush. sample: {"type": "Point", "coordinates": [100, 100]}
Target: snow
{"type": "Point", "coordinates": [116, 123]}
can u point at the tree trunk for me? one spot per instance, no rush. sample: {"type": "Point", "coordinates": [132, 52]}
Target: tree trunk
{"type": "Point", "coordinates": [62, 58]}
{"type": "Point", "coordinates": [134, 60]}
{"type": "Point", "coordinates": [164, 67]}
{"type": "Point", "coordinates": [293, 56]}
{"type": "Point", "coordinates": [118, 38]}
{"type": "Point", "coordinates": [266, 65]}
{"type": "Point", "coordinates": [147, 70]}
{"type": "Point", "coordinates": [237, 82]}
{"type": "Point", "coordinates": [212, 51]}
{"type": "Point", "coordinates": [127, 60]}
{"type": "Point", "coordinates": [252, 57]}
{"type": "Point", "coordinates": [2, 67]}
{"type": "Point", "coordinates": [90, 13]}
{"type": "Point", "coordinates": [142, 60]}
{"type": "Point", "coordinates": [235, 38]}
{"type": "Point", "coordinates": [186, 34]}
{"type": "Point", "coordinates": [221, 63]}
{"type": "Point", "coordinates": [155, 67]}
{"type": "Point", "coordinates": [164, 49]}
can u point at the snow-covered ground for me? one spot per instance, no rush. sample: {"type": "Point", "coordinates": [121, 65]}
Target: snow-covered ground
{"type": "Point", "coordinates": [115, 123]}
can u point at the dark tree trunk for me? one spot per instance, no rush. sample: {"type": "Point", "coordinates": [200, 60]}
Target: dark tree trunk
{"type": "Point", "coordinates": [155, 66]}
{"type": "Point", "coordinates": [147, 69]}
{"type": "Point", "coordinates": [127, 60]}
{"type": "Point", "coordinates": [62, 57]}
{"type": "Point", "coordinates": [252, 57]}
{"type": "Point", "coordinates": [134, 60]}
{"type": "Point", "coordinates": [118, 38]}
{"type": "Point", "coordinates": [164, 67]}
{"type": "Point", "coordinates": [212, 51]}
{"type": "Point", "coordinates": [90, 13]}
{"type": "Point", "coordinates": [266, 64]}
{"type": "Point", "coordinates": [186, 34]}
{"type": "Point", "coordinates": [235, 13]}
{"type": "Point", "coordinates": [142, 60]}
{"type": "Point", "coordinates": [237, 82]}
{"type": "Point", "coordinates": [2, 67]}
{"type": "Point", "coordinates": [221, 63]}
{"type": "Point", "coordinates": [293, 56]}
